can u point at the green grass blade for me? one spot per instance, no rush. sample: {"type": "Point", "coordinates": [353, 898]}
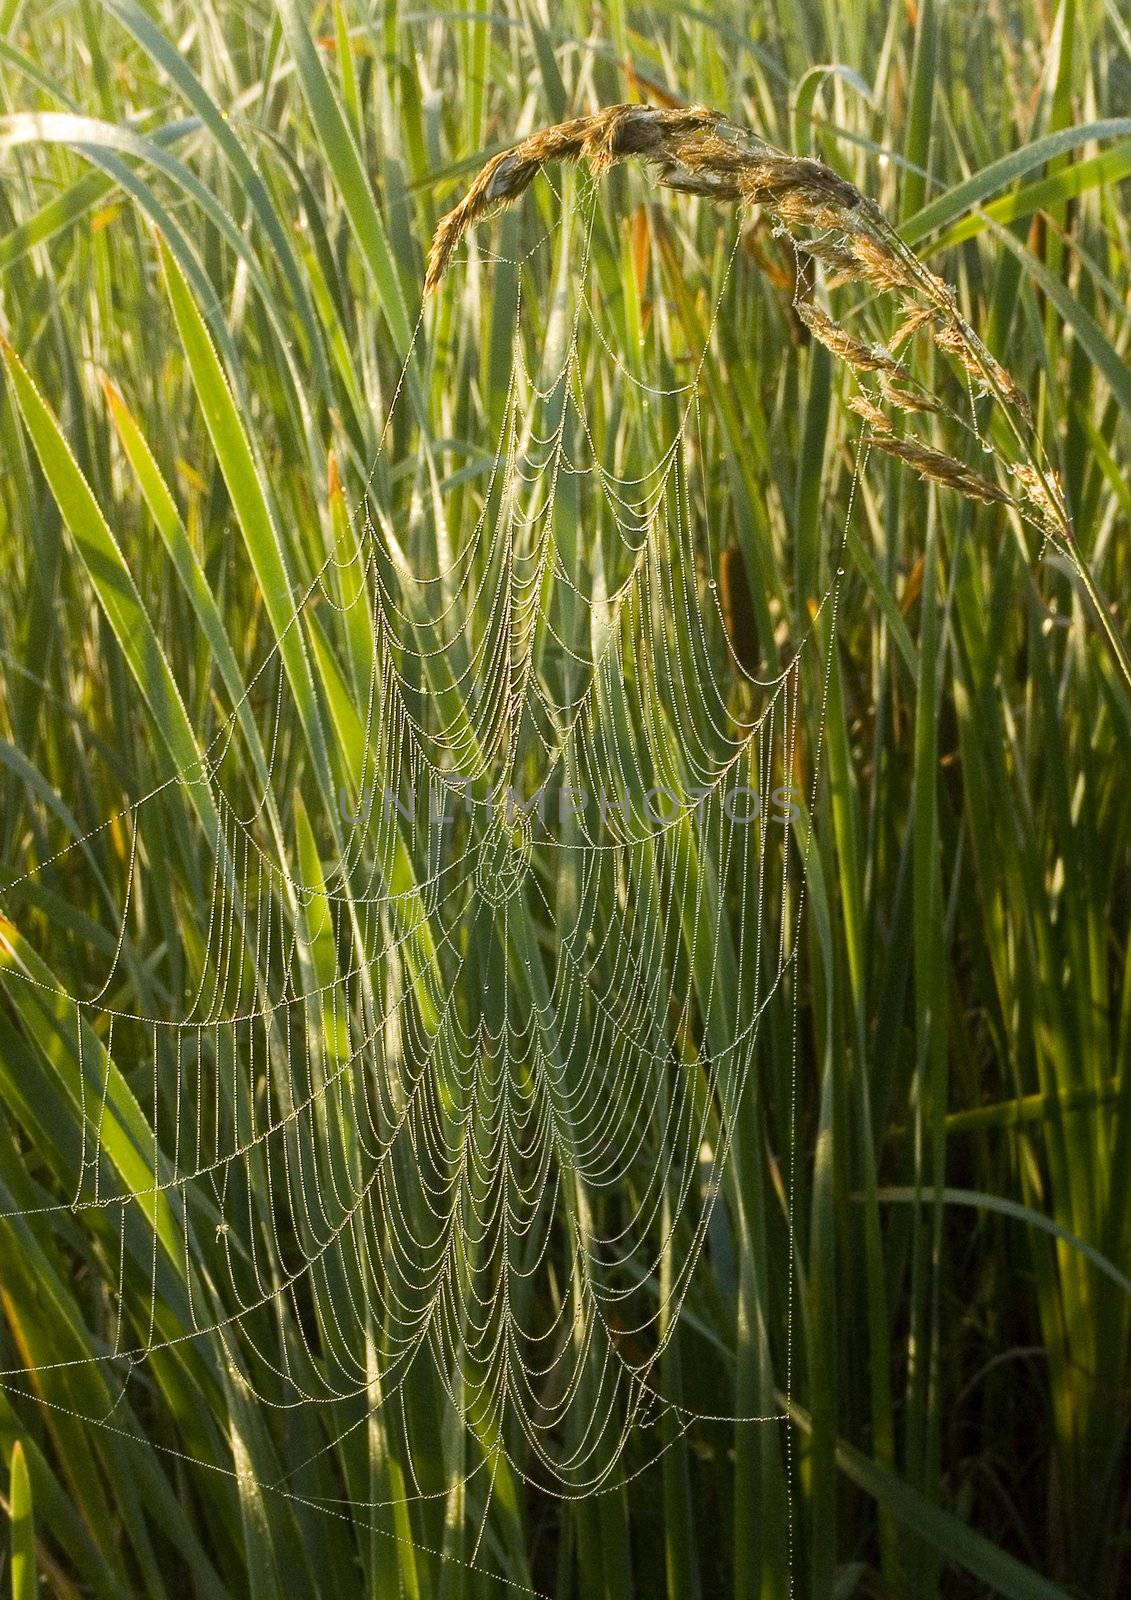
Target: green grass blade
{"type": "Point", "coordinates": [25, 1575]}
{"type": "Point", "coordinates": [345, 163]}
{"type": "Point", "coordinates": [965, 196]}
{"type": "Point", "coordinates": [1012, 1208]}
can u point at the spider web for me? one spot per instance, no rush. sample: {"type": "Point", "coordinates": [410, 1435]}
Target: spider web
{"type": "Point", "coordinates": [453, 1074]}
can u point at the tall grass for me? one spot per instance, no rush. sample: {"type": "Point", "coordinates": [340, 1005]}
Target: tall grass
{"type": "Point", "coordinates": [214, 223]}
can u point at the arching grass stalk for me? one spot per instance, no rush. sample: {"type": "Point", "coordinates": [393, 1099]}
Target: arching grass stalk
{"type": "Point", "coordinates": [698, 151]}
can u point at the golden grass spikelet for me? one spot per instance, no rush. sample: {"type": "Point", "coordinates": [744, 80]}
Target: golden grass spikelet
{"type": "Point", "coordinates": [907, 395]}
{"type": "Point", "coordinates": [911, 324]}
{"type": "Point", "coordinates": [865, 407]}
{"type": "Point", "coordinates": [1045, 494]}
{"type": "Point", "coordinates": [944, 469]}
{"type": "Point", "coordinates": [864, 357]}
{"type": "Point", "coordinates": [879, 265]}
{"type": "Point", "coordinates": [939, 293]}
{"type": "Point", "coordinates": [703, 164]}
{"type": "Point", "coordinates": [797, 188]}
{"type": "Point", "coordinates": [830, 254]}
{"type": "Point", "coordinates": [634, 130]}
{"type": "Point", "coordinates": [982, 366]}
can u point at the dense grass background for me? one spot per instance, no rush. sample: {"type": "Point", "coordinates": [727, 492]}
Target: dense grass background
{"type": "Point", "coordinates": [961, 1376]}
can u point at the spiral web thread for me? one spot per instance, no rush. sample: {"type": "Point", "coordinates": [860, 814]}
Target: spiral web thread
{"type": "Point", "coordinates": [389, 1121]}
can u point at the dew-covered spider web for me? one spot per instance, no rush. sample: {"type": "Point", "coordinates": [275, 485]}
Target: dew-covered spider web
{"type": "Point", "coordinates": [484, 892]}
